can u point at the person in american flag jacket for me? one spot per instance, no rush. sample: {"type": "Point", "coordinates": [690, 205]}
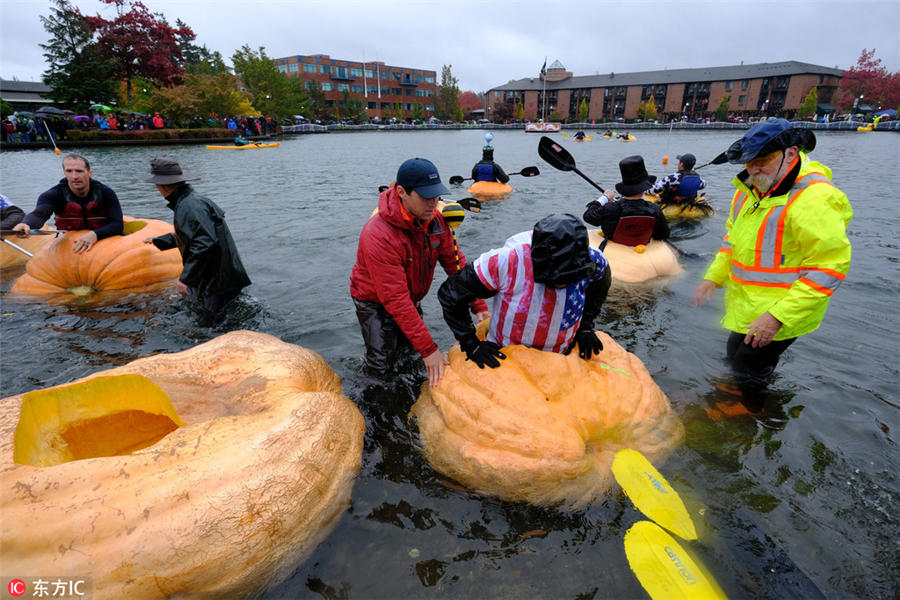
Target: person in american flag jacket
{"type": "Point", "coordinates": [547, 285]}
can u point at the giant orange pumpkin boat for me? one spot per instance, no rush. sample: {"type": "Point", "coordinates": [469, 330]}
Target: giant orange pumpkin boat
{"type": "Point", "coordinates": [208, 473]}
{"type": "Point", "coordinates": [543, 427]}
{"type": "Point", "coordinates": [116, 265]}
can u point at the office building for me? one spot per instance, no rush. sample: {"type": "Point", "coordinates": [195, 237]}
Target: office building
{"type": "Point", "coordinates": [381, 86]}
{"type": "Point", "coordinates": [764, 89]}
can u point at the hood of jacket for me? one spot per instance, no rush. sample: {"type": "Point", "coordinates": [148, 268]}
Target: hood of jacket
{"type": "Point", "coordinates": [560, 252]}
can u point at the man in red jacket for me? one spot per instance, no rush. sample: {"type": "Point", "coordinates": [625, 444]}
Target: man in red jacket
{"type": "Point", "coordinates": [398, 249]}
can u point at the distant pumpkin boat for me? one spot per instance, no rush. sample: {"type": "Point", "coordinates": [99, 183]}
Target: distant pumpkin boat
{"type": "Point", "coordinates": [543, 428]}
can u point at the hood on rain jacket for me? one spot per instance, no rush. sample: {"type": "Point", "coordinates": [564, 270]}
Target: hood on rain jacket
{"type": "Point", "coordinates": [786, 253]}
{"type": "Point", "coordinates": [212, 265]}
{"type": "Point", "coordinates": [395, 264]}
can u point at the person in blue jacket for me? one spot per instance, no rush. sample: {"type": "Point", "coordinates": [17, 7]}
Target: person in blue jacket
{"type": "Point", "coordinates": [486, 169]}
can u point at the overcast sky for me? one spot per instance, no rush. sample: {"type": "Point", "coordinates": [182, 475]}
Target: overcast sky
{"type": "Point", "coordinates": [489, 43]}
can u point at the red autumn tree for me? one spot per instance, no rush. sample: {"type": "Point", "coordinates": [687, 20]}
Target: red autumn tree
{"type": "Point", "coordinates": [868, 78]}
{"type": "Point", "coordinates": [469, 101]}
{"type": "Point", "coordinates": [140, 43]}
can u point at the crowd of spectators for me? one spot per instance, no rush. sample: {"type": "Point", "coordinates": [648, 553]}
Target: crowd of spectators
{"type": "Point", "coordinates": [27, 127]}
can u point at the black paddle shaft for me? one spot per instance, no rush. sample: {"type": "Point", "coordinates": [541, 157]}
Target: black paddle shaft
{"type": "Point", "coordinates": [559, 158]}
{"type": "Point", "coordinates": [526, 172]}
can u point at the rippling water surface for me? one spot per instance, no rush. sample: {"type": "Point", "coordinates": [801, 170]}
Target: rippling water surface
{"type": "Point", "coordinates": [802, 503]}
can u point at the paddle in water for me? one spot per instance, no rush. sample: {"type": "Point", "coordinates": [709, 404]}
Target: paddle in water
{"type": "Point", "coordinates": [526, 172]}
{"type": "Point", "coordinates": [651, 493]}
{"type": "Point", "coordinates": [664, 568]}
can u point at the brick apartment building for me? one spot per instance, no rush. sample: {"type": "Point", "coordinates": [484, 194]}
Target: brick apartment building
{"type": "Point", "coordinates": [764, 89]}
{"type": "Point", "coordinates": [381, 86]}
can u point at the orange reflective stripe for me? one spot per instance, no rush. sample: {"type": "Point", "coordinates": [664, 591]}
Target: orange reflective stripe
{"type": "Point", "coordinates": [816, 286]}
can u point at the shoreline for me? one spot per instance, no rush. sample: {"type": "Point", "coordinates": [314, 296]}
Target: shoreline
{"type": "Point", "coordinates": [890, 126]}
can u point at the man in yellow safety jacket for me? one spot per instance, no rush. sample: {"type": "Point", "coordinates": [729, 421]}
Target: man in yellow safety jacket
{"type": "Point", "coordinates": [784, 254]}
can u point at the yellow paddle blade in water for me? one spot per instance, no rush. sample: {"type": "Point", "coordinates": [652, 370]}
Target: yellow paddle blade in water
{"type": "Point", "coordinates": [664, 568]}
{"type": "Point", "coordinates": [651, 493]}
{"type": "Point", "coordinates": [103, 416]}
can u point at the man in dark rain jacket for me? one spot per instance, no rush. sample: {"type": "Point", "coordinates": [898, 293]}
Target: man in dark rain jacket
{"type": "Point", "coordinates": [213, 272]}
{"type": "Point", "coordinates": [548, 286]}
{"type": "Point", "coordinates": [398, 250]}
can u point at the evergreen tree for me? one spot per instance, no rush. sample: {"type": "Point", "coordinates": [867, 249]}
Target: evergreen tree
{"type": "Point", "coordinates": [418, 112]}
{"type": "Point", "coordinates": [77, 72]}
{"type": "Point", "coordinates": [647, 110]}
{"type": "Point", "coordinates": [198, 59]}
{"type": "Point", "coordinates": [446, 104]}
{"type": "Point", "coordinates": [810, 104]}
{"type": "Point", "coordinates": [583, 110]}
{"type": "Point", "coordinates": [520, 111]}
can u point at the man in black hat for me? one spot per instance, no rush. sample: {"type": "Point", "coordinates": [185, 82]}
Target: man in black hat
{"type": "Point", "coordinates": [682, 186]}
{"type": "Point", "coordinates": [645, 220]}
{"type": "Point", "coordinates": [548, 286]}
{"type": "Point", "coordinates": [213, 272]}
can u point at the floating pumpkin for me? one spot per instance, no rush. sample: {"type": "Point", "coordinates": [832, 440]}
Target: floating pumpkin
{"type": "Point", "coordinates": [693, 210]}
{"type": "Point", "coordinates": [543, 427]}
{"type": "Point", "coordinates": [115, 265]}
{"type": "Point", "coordinates": [211, 473]}
{"type": "Point", "coordinates": [489, 190]}
{"type": "Point", "coordinates": [630, 265]}
{"type": "Point", "coordinates": [11, 257]}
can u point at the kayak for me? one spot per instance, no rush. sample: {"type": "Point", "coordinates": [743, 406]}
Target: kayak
{"type": "Point", "coordinates": [586, 138]}
{"type": "Point", "coordinates": [244, 147]}
{"type": "Point", "coordinates": [489, 189]}
{"type": "Point", "coordinates": [697, 209]}
{"type": "Point", "coordinates": [630, 138]}
{"type": "Point", "coordinates": [636, 264]}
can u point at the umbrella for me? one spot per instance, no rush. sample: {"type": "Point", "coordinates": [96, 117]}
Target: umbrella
{"type": "Point", "coordinates": [24, 113]}
{"type": "Point", "coordinates": [68, 112]}
{"type": "Point", "coordinates": [82, 118]}
{"type": "Point", "coordinates": [48, 110]}
{"type": "Point", "coordinates": [99, 107]}
{"type": "Point", "coordinates": [890, 112]}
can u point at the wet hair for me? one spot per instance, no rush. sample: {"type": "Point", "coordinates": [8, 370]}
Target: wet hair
{"type": "Point", "coordinates": [73, 156]}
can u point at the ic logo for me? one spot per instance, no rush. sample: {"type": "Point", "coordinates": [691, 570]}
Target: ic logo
{"type": "Point", "coordinates": [16, 588]}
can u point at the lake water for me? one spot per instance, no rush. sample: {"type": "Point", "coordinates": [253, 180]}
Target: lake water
{"type": "Point", "coordinates": [799, 504]}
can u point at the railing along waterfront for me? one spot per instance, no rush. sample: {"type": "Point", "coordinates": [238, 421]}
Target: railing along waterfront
{"type": "Point", "coordinates": [617, 126]}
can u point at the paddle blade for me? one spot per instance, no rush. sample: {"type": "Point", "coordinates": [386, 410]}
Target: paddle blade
{"type": "Point", "coordinates": [455, 179]}
{"type": "Point", "coordinates": [664, 568]}
{"type": "Point", "coordinates": [529, 172]}
{"type": "Point", "coordinates": [555, 154]}
{"type": "Point", "coordinates": [471, 204]}
{"type": "Point", "coordinates": [651, 493]}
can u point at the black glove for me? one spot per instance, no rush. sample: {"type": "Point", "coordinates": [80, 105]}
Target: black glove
{"type": "Point", "coordinates": [481, 352]}
{"type": "Point", "coordinates": [588, 343]}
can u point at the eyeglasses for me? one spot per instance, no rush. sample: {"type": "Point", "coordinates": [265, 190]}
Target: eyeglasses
{"type": "Point", "coordinates": [762, 161]}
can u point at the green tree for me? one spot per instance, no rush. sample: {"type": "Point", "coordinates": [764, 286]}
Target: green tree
{"type": "Point", "coordinates": [317, 105]}
{"type": "Point", "coordinates": [77, 72]}
{"type": "Point", "coordinates": [810, 104]}
{"type": "Point", "coordinates": [418, 112]}
{"type": "Point", "coordinates": [583, 111]}
{"type": "Point", "coordinates": [724, 107]}
{"type": "Point", "coordinates": [6, 108]}
{"type": "Point", "coordinates": [520, 111]}
{"type": "Point", "coordinates": [274, 93]}
{"type": "Point", "coordinates": [354, 108]}
{"type": "Point", "coordinates": [203, 96]}
{"type": "Point", "coordinates": [647, 110]}
{"type": "Point", "coordinates": [446, 105]}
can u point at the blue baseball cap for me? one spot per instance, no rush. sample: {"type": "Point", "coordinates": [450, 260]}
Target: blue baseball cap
{"type": "Point", "coordinates": [420, 175]}
{"type": "Point", "coordinates": [769, 136]}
